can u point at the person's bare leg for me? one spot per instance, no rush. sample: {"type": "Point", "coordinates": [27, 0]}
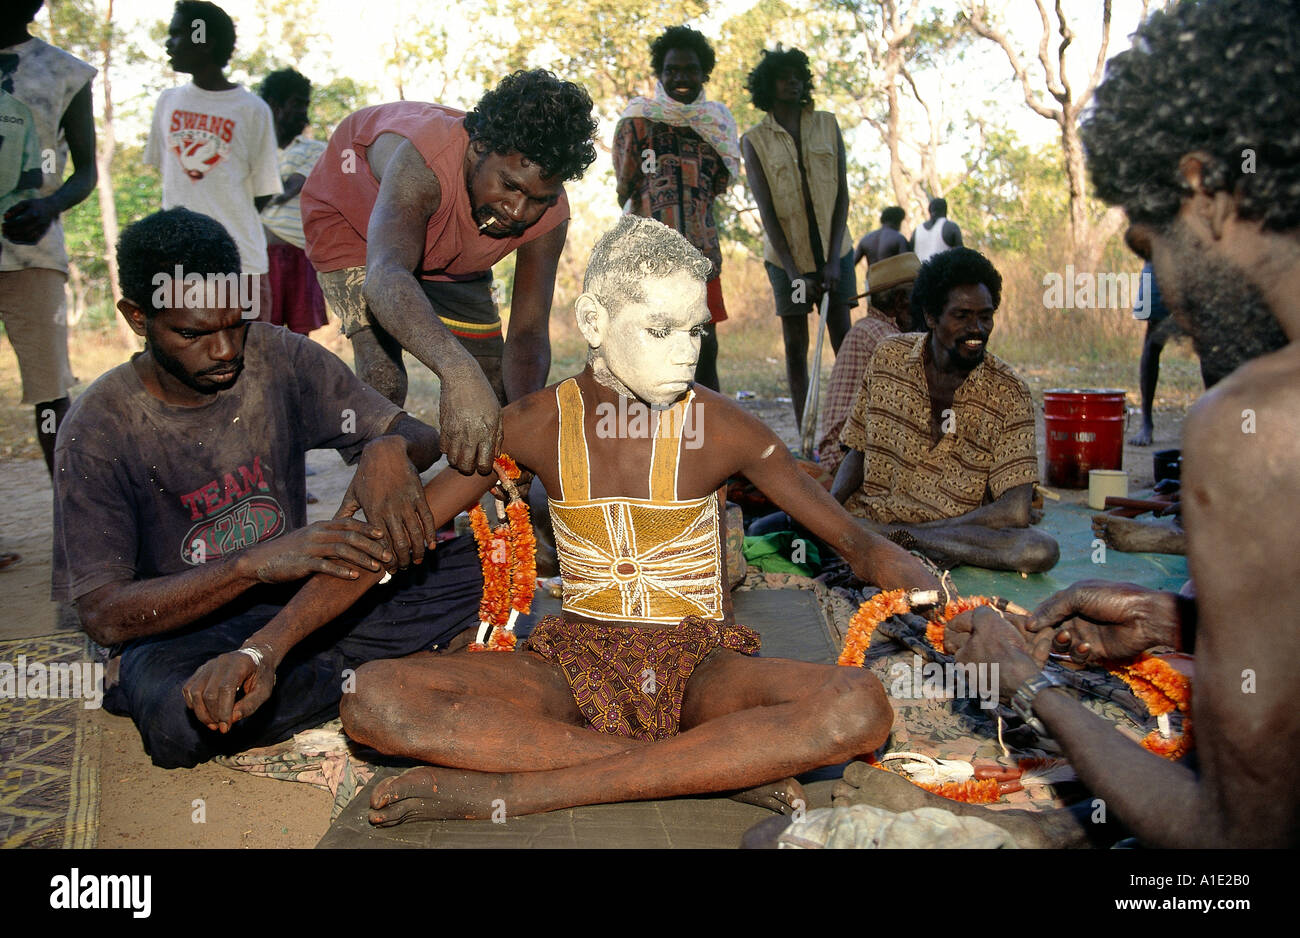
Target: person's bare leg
{"type": "Point", "coordinates": [746, 722]}
{"type": "Point", "coordinates": [1133, 536]}
{"type": "Point", "coordinates": [487, 711]}
{"type": "Point", "coordinates": [794, 332]}
{"type": "Point", "coordinates": [838, 323]}
{"type": "Point", "coordinates": [1025, 550]}
{"type": "Point", "coordinates": [379, 363]}
{"type": "Point", "coordinates": [1148, 378]}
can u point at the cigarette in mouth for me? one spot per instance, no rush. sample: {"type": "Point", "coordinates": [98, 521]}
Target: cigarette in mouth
{"type": "Point", "coordinates": [486, 224]}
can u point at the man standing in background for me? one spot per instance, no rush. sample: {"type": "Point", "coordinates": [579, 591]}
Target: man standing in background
{"type": "Point", "coordinates": [213, 141]}
{"type": "Point", "coordinates": [885, 241]}
{"type": "Point", "coordinates": [889, 312]}
{"type": "Point", "coordinates": [55, 87]}
{"type": "Point", "coordinates": [296, 298]}
{"type": "Point", "coordinates": [795, 162]}
{"type": "Point", "coordinates": [674, 154]}
{"type": "Point", "coordinates": [936, 235]}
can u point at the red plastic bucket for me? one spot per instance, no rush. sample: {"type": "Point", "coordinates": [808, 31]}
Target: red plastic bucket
{"type": "Point", "coordinates": [1085, 431]}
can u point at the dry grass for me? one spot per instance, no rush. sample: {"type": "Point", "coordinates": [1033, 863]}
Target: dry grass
{"type": "Point", "coordinates": [93, 351]}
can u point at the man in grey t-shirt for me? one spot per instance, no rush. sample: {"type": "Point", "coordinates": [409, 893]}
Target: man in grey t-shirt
{"type": "Point", "coordinates": [180, 504]}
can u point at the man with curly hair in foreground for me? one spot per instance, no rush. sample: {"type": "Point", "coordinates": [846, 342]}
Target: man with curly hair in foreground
{"type": "Point", "coordinates": [405, 214]}
{"type": "Point", "coordinates": [1194, 133]}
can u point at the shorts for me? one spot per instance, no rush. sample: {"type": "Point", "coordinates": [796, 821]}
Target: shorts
{"type": "Point", "coordinates": [296, 299]}
{"type": "Point", "coordinates": [717, 308]}
{"type": "Point", "coordinates": [629, 681]}
{"type": "Point", "coordinates": [465, 307]}
{"type": "Point", "coordinates": [33, 308]}
{"type": "Point", "coordinates": [845, 293]}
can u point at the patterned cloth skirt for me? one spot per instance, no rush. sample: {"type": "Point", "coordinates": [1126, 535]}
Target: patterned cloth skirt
{"type": "Point", "coordinates": [629, 681]}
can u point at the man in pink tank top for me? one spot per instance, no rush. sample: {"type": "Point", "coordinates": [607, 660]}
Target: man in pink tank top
{"type": "Point", "coordinates": [406, 212]}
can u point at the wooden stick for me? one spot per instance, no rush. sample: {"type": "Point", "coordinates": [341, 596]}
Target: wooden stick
{"type": "Point", "coordinates": [812, 403]}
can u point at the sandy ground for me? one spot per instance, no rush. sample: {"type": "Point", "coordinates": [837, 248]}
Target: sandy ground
{"type": "Point", "coordinates": [144, 806]}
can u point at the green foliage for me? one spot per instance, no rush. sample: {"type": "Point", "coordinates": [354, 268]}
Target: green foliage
{"type": "Point", "coordinates": [603, 45]}
{"type": "Point", "coordinates": [740, 45]}
{"type": "Point", "coordinates": [137, 192]}
{"type": "Point", "coordinates": [74, 26]}
{"type": "Point", "coordinates": [286, 34]}
{"type": "Point", "coordinates": [1014, 197]}
{"type": "Point", "coordinates": [332, 102]}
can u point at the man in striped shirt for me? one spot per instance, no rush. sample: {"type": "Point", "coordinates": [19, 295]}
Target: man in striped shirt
{"type": "Point", "coordinates": [942, 456]}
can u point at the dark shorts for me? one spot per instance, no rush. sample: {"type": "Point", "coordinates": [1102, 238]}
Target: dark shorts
{"type": "Point", "coordinates": [845, 293]}
{"type": "Point", "coordinates": [465, 307]}
{"type": "Point", "coordinates": [629, 681]}
{"type": "Point", "coordinates": [296, 299]}
{"type": "Point", "coordinates": [420, 608]}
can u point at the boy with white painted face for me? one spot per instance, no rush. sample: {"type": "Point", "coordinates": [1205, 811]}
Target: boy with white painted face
{"type": "Point", "coordinates": [644, 687]}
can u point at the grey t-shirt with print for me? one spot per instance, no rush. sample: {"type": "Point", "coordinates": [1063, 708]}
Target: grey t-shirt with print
{"type": "Point", "coordinates": [145, 489]}
{"type": "Point", "coordinates": [46, 79]}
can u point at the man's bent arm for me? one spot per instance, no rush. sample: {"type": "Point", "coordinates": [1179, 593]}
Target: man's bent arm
{"type": "Point", "coordinates": [627, 160]}
{"type": "Point", "coordinates": [1247, 652]}
{"type": "Point", "coordinates": [1010, 510]}
{"type": "Point", "coordinates": [78, 125]}
{"type": "Point", "coordinates": [423, 445]}
{"type": "Point", "coordinates": [127, 610]}
{"type": "Point", "coordinates": [1159, 800]}
{"type": "Point", "coordinates": [324, 598]}
{"type": "Point", "coordinates": [31, 218]}
{"type": "Point", "coordinates": [527, 358]}
{"type": "Point", "coordinates": [1162, 802]}
{"type": "Point", "coordinates": [409, 194]}
{"type": "Point", "coordinates": [772, 469]}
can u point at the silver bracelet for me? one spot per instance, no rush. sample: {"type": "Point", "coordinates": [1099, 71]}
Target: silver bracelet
{"type": "Point", "coordinates": [255, 653]}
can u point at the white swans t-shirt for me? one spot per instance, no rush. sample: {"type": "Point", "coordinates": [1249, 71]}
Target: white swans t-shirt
{"type": "Point", "coordinates": [217, 152]}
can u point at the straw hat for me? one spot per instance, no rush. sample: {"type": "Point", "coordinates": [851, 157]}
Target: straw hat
{"type": "Point", "coordinates": [892, 272]}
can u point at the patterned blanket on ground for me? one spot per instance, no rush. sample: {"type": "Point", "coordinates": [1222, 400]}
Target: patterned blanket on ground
{"type": "Point", "coordinates": [323, 757]}
{"type": "Point", "coordinates": [49, 750]}
{"type": "Point", "coordinates": [942, 728]}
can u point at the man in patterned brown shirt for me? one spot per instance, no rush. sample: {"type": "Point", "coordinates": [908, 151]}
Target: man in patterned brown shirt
{"type": "Point", "coordinates": [942, 455]}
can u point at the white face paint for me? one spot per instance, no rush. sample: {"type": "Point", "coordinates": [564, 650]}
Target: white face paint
{"type": "Point", "coordinates": [651, 346]}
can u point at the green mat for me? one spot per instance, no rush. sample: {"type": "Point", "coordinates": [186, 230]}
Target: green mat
{"type": "Point", "coordinates": [1071, 525]}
